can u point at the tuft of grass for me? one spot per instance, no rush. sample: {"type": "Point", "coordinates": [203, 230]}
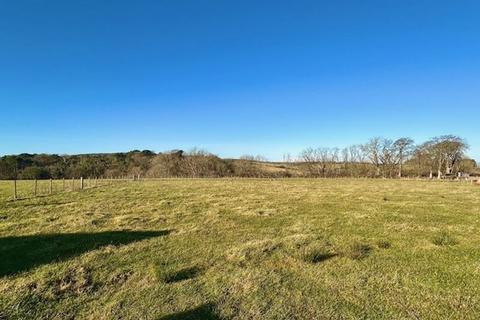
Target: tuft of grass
{"type": "Point", "coordinates": [120, 277]}
{"type": "Point", "coordinates": [313, 252]}
{"type": "Point", "coordinates": [253, 252]}
{"type": "Point", "coordinates": [74, 281]}
{"type": "Point", "coordinates": [359, 251]}
{"type": "Point", "coordinates": [444, 239]}
{"type": "Point", "coordinates": [384, 244]}
{"type": "Point", "coordinates": [317, 255]}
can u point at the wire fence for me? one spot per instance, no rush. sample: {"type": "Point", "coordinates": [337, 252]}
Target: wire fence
{"type": "Point", "coordinates": [26, 189]}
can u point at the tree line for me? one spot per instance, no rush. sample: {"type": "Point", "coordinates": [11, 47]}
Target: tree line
{"type": "Point", "coordinates": [195, 163]}
{"type": "Point", "coordinates": [441, 157]}
{"type": "Point", "coordinates": [379, 157]}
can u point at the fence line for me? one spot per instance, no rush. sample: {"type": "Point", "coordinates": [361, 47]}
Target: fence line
{"type": "Point", "coordinates": [25, 189]}
{"type": "Point", "coordinates": [34, 188]}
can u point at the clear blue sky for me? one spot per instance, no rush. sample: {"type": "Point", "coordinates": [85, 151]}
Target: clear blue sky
{"type": "Point", "coordinates": [235, 77]}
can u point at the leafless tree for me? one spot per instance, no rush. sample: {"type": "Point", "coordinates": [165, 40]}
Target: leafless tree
{"type": "Point", "coordinates": [287, 157]}
{"type": "Point", "coordinates": [387, 157]}
{"type": "Point", "coordinates": [449, 150]}
{"type": "Point", "coordinates": [425, 158]}
{"type": "Point", "coordinates": [403, 148]}
{"type": "Point", "coordinates": [373, 149]}
{"type": "Point", "coordinates": [310, 157]}
{"type": "Point", "coordinates": [346, 162]}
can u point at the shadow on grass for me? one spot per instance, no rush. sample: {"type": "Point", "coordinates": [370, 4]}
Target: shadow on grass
{"type": "Point", "coordinates": [183, 274]}
{"type": "Point", "coordinates": [321, 257]}
{"type": "Point", "coordinates": [18, 254]}
{"type": "Point", "coordinates": [203, 312]}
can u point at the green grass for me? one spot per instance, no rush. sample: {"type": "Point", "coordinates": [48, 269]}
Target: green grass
{"type": "Point", "coordinates": [243, 249]}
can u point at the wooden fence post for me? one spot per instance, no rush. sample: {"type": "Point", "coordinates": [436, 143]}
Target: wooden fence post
{"type": "Point", "coordinates": [15, 189]}
{"type": "Point", "coordinates": [81, 183]}
{"type": "Point", "coordinates": [73, 184]}
{"type": "Point", "coordinates": [63, 182]}
{"type": "Point", "coordinates": [51, 186]}
{"type": "Point", "coordinates": [35, 188]}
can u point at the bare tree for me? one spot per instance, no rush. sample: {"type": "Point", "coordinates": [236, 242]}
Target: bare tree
{"type": "Point", "coordinates": [346, 162]}
{"type": "Point", "coordinates": [260, 158]}
{"type": "Point", "coordinates": [425, 158]}
{"type": "Point", "coordinates": [287, 157]}
{"type": "Point", "coordinates": [442, 154]}
{"type": "Point", "coordinates": [373, 149]}
{"type": "Point", "coordinates": [403, 148]}
{"type": "Point", "coordinates": [333, 160]}
{"type": "Point", "coordinates": [311, 159]}
{"type": "Point", "coordinates": [387, 157]}
{"type": "Point", "coordinates": [450, 150]}
{"type": "Point", "coordinates": [247, 157]}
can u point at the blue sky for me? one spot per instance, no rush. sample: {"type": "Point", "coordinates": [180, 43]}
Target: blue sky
{"type": "Point", "coordinates": [235, 77]}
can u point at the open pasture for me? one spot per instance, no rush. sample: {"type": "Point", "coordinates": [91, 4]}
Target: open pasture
{"type": "Point", "coordinates": [243, 249]}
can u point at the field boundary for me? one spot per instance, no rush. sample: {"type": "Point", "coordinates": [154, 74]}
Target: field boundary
{"type": "Point", "coordinates": [27, 189]}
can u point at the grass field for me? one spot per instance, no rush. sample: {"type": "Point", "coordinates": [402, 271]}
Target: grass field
{"type": "Point", "coordinates": [243, 249]}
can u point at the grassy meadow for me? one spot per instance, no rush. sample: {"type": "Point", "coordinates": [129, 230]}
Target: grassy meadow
{"type": "Point", "coordinates": [243, 249]}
